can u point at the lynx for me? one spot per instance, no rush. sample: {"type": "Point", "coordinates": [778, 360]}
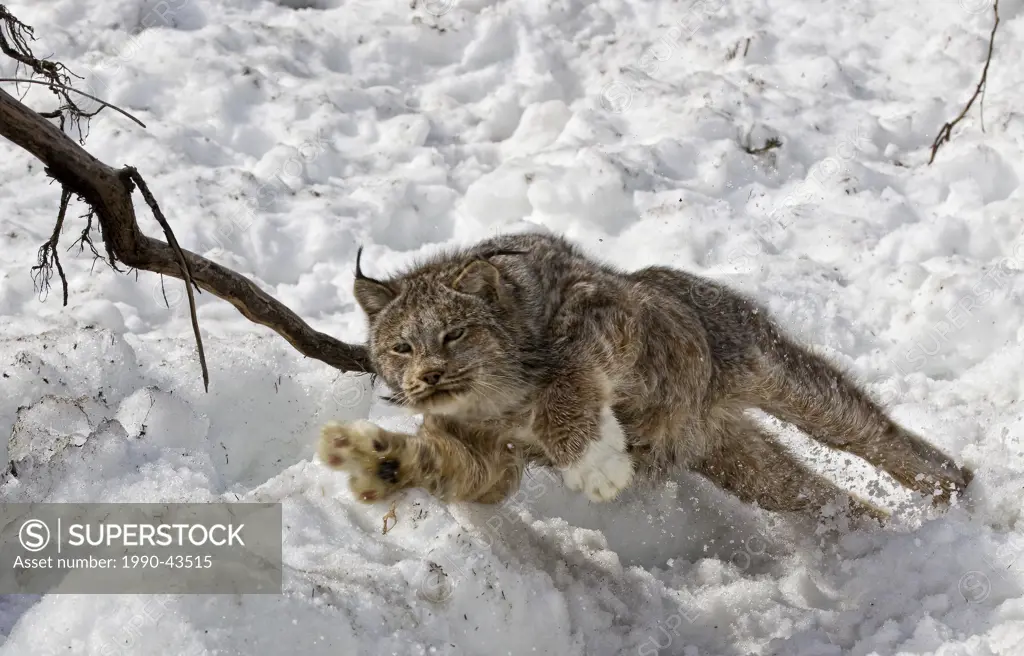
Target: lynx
{"type": "Point", "coordinates": [522, 351]}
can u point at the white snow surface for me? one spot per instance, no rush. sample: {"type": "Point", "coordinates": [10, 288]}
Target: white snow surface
{"type": "Point", "coordinates": [282, 134]}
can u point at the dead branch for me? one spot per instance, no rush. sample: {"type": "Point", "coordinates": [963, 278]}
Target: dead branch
{"type": "Point", "coordinates": [770, 144]}
{"type": "Point", "coordinates": [947, 130]}
{"type": "Point", "coordinates": [42, 272]}
{"type": "Point", "coordinates": [131, 175]}
{"type": "Point", "coordinates": [14, 38]}
{"type": "Point", "coordinates": [86, 238]}
{"type": "Point", "coordinates": [108, 193]}
{"type": "Point", "coordinates": [57, 113]}
{"type": "Point", "coordinates": [390, 515]}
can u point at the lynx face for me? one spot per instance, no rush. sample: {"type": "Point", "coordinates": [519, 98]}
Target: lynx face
{"type": "Point", "coordinates": [439, 344]}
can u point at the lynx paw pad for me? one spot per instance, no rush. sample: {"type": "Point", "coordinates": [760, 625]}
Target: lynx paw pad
{"type": "Point", "coordinates": [368, 453]}
{"type": "Point", "coordinates": [605, 468]}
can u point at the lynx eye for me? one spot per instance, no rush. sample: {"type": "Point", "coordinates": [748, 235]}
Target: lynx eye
{"type": "Point", "coordinates": [402, 348]}
{"type": "Point", "coordinates": [454, 335]}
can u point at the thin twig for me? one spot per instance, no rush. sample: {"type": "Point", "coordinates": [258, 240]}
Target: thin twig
{"type": "Point", "coordinates": [84, 238]}
{"type": "Point", "coordinates": [14, 44]}
{"type": "Point", "coordinates": [163, 291]}
{"type": "Point", "coordinates": [391, 515]}
{"type": "Point", "coordinates": [48, 251]}
{"type": "Point", "coordinates": [131, 174]}
{"type": "Point", "coordinates": [14, 40]}
{"type": "Point", "coordinates": [981, 108]}
{"type": "Point", "coordinates": [947, 130]}
{"type": "Point", "coordinates": [67, 88]}
{"type": "Point", "coordinates": [770, 144]}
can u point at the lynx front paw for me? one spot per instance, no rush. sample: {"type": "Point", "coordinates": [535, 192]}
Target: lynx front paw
{"type": "Point", "coordinates": [605, 469]}
{"type": "Point", "coordinates": [371, 456]}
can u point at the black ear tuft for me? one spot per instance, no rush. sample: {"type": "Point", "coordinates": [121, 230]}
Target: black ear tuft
{"type": "Point", "coordinates": [359, 270]}
{"type": "Point", "coordinates": [372, 295]}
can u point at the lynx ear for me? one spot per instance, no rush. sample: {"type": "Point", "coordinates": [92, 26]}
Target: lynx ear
{"type": "Point", "coordinates": [480, 278]}
{"type": "Point", "coordinates": [372, 295]}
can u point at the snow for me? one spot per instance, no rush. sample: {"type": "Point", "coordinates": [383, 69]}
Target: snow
{"type": "Point", "coordinates": [281, 135]}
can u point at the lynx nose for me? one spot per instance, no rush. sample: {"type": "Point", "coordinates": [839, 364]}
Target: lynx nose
{"type": "Point", "coordinates": [432, 377]}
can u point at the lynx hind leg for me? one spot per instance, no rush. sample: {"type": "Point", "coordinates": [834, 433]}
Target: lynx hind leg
{"type": "Point", "coordinates": [372, 456]}
{"type": "Point", "coordinates": [823, 402]}
{"type": "Point", "coordinates": [749, 464]}
{"type": "Point", "coordinates": [604, 469]}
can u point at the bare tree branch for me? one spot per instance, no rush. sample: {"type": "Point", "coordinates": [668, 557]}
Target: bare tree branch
{"type": "Point", "coordinates": [14, 38]}
{"type": "Point", "coordinates": [57, 113]}
{"type": "Point", "coordinates": [131, 175]}
{"type": "Point", "coordinates": [105, 189]}
{"type": "Point", "coordinates": [108, 193]}
{"type": "Point", "coordinates": [947, 130]}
